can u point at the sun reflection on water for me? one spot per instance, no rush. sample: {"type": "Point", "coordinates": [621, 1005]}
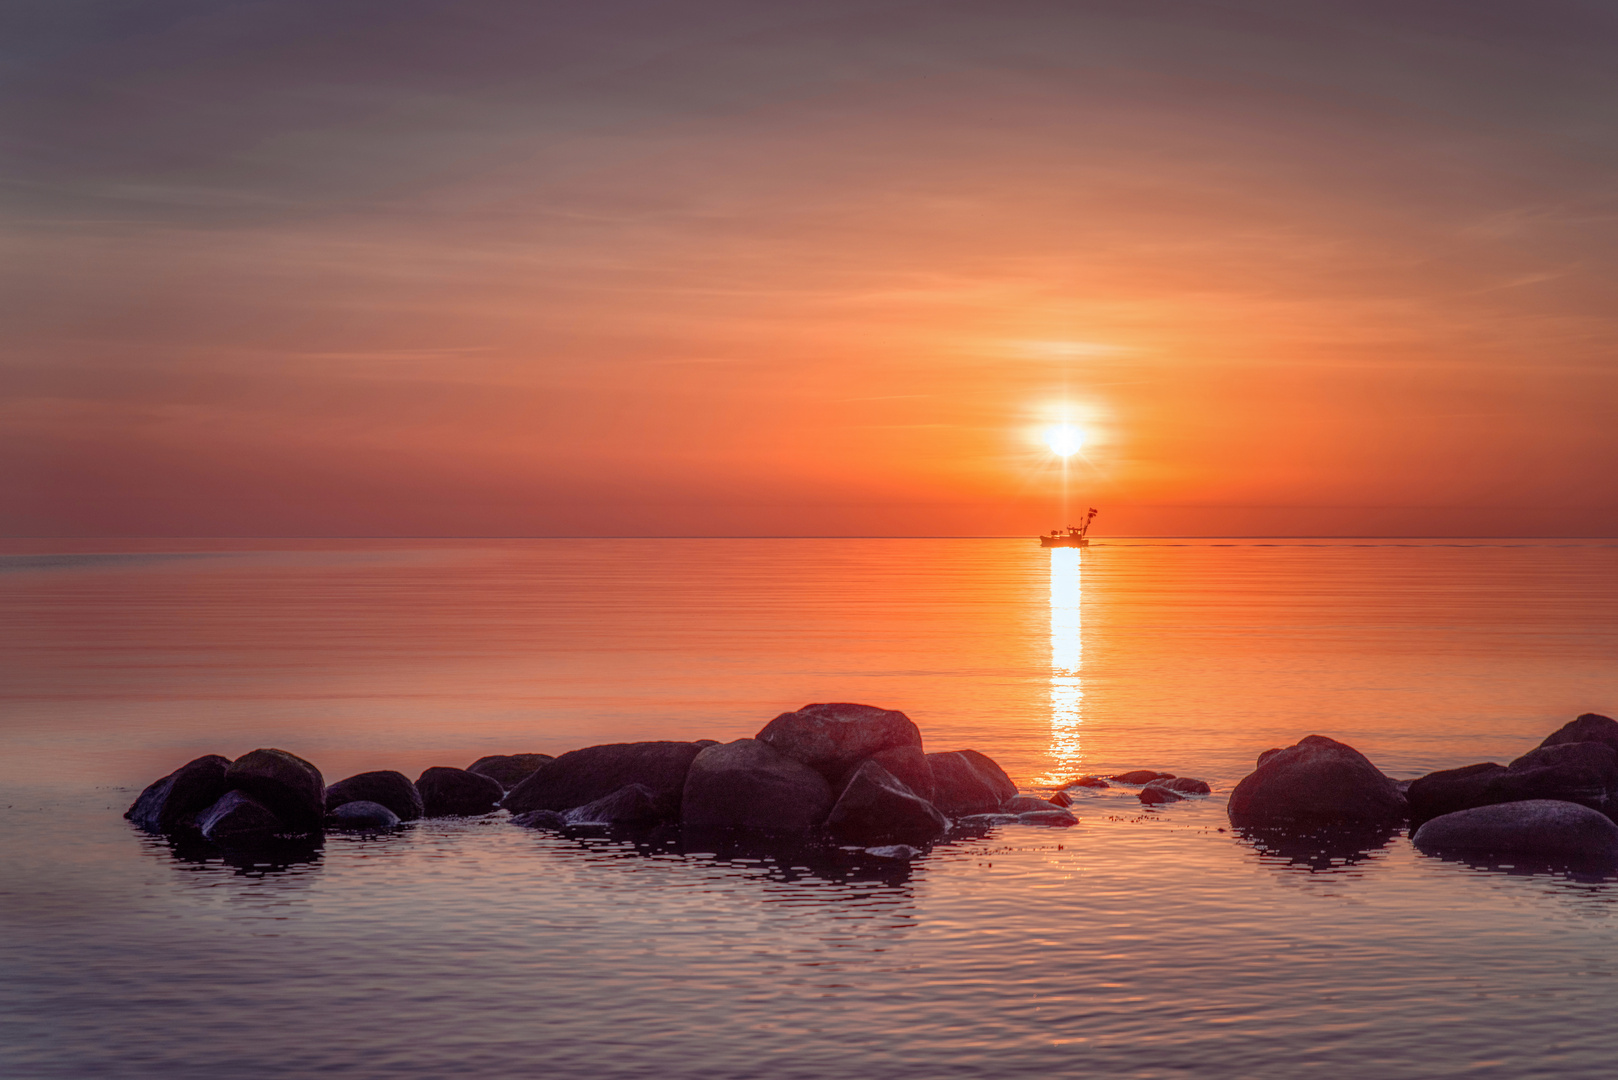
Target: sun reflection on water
{"type": "Point", "coordinates": [1067, 654]}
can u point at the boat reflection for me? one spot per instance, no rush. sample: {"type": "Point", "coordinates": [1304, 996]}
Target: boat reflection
{"type": "Point", "coordinates": [1067, 655]}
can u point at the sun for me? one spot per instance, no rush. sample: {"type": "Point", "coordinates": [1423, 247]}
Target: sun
{"type": "Point", "coordinates": [1065, 440]}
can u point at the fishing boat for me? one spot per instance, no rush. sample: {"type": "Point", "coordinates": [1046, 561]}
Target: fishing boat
{"type": "Point", "coordinates": [1072, 536]}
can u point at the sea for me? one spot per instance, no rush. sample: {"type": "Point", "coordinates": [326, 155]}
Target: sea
{"type": "Point", "coordinates": [1143, 942]}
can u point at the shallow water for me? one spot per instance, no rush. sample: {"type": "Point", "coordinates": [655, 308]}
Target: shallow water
{"type": "Point", "coordinates": [1144, 943]}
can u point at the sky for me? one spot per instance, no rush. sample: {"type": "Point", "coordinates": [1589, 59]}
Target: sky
{"type": "Point", "coordinates": [740, 267]}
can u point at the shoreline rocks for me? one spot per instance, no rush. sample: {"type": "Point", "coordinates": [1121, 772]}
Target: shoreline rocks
{"type": "Point", "coordinates": [1545, 830]}
{"type": "Point", "coordinates": [447, 792]}
{"type": "Point", "coordinates": [1316, 780]}
{"type": "Point", "coordinates": [394, 790]}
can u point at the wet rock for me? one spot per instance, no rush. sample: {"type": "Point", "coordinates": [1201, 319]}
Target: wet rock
{"type": "Point", "coordinates": [1580, 772]}
{"type": "Point", "coordinates": [1022, 804]}
{"type": "Point", "coordinates": [894, 851]}
{"type": "Point", "coordinates": [1141, 776]}
{"type": "Point", "coordinates": [394, 790]}
{"type": "Point", "coordinates": [583, 776]}
{"type": "Point", "coordinates": [631, 804]}
{"type": "Point", "coordinates": [967, 782]}
{"type": "Point", "coordinates": [1158, 793]}
{"type": "Point", "coordinates": [1317, 780]}
{"type": "Point", "coordinates": [1086, 781]}
{"type": "Point", "coordinates": [983, 820]}
{"type": "Point", "coordinates": [1543, 829]}
{"type": "Point", "coordinates": [509, 769]}
{"type": "Point", "coordinates": [362, 815]}
{"type": "Point", "coordinates": [1185, 785]}
{"type": "Point", "coordinates": [1589, 727]}
{"type": "Point", "coordinates": [909, 766]}
{"type": "Point", "coordinates": [291, 787]}
{"type": "Point", "coordinates": [1054, 818]}
{"type": "Point", "coordinates": [540, 819]}
{"type": "Point", "coordinates": [833, 739]}
{"type": "Point", "coordinates": [1061, 798]}
{"type": "Point", "coordinates": [238, 817]}
{"type": "Point", "coordinates": [1271, 752]}
{"type": "Point", "coordinates": [1449, 790]}
{"type": "Point", "coordinates": [748, 784]}
{"type": "Point", "coordinates": [172, 803]}
{"type": "Point", "coordinates": [876, 806]}
{"type": "Point", "coordinates": [447, 792]}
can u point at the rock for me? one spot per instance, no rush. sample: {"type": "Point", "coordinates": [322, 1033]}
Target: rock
{"type": "Point", "coordinates": [394, 790]}
{"type": "Point", "coordinates": [447, 792]}
{"type": "Point", "coordinates": [982, 820]}
{"type": "Point", "coordinates": [1185, 785]}
{"type": "Point", "coordinates": [1058, 819]}
{"type": "Point", "coordinates": [1449, 790]}
{"type": "Point", "coordinates": [1061, 798]}
{"type": "Point", "coordinates": [967, 782]}
{"type": "Point", "coordinates": [172, 803]}
{"type": "Point", "coordinates": [1157, 793]}
{"type": "Point", "coordinates": [1542, 829]}
{"type": "Point", "coordinates": [748, 784]}
{"type": "Point", "coordinates": [1022, 804]}
{"type": "Point", "coordinates": [1086, 781]}
{"type": "Point", "coordinates": [834, 739]}
{"type": "Point", "coordinates": [1141, 776]}
{"type": "Point", "coordinates": [238, 817]}
{"type": "Point", "coordinates": [1580, 772]}
{"type": "Point", "coordinates": [631, 804]}
{"type": "Point", "coordinates": [540, 819]}
{"type": "Point", "coordinates": [1589, 727]}
{"type": "Point", "coordinates": [509, 769]}
{"type": "Point", "coordinates": [876, 806]}
{"type": "Point", "coordinates": [909, 766]}
{"type": "Point", "coordinates": [1266, 755]}
{"type": "Point", "coordinates": [362, 815]}
{"type": "Point", "coordinates": [291, 787]}
{"type": "Point", "coordinates": [894, 851]}
{"type": "Point", "coordinates": [583, 776]}
{"type": "Point", "coordinates": [1317, 780]}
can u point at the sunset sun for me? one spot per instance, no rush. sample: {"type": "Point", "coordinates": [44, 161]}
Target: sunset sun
{"type": "Point", "coordinates": [1065, 440]}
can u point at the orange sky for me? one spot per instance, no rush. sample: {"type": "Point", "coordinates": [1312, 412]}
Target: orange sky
{"type": "Point", "coordinates": [496, 268]}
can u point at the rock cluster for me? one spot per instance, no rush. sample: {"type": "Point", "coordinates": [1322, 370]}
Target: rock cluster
{"type": "Point", "coordinates": [854, 772]}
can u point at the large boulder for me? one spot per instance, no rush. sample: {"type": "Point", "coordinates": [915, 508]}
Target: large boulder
{"type": "Point", "coordinates": [362, 815]}
{"type": "Point", "coordinates": [1140, 776]}
{"type": "Point", "coordinates": [239, 818]}
{"type": "Point", "coordinates": [447, 792]}
{"type": "Point", "coordinates": [394, 790]}
{"type": "Point", "coordinates": [1449, 790]}
{"type": "Point", "coordinates": [1589, 727]}
{"type": "Point", "coordinates": [1580, 772]}
{"type": "Point", "coordinates": [291, 787]}
{"type": "Point", "coordinates": [876, 806]}
{"type": "Point", "coordinates": [172, 803]}
{"type": "Point", "coordinates": [748, 784]}
{"type": "Point", "coordinates": [1316, 781]}
{"type": "Point", "coordinates": [582, 776]}
{"type": "Point", "coordinates": [509, 769]}
{"type": "Point", "coordinates": [967, 782]}
{"type": "Point", "coordinates": [909, 766]}
{"type": "Point", "coordinates": [1547, 830]}
{"type": "Point", "coordinates": [631, 804]}
{"type": "Point", "coordinates": [835, 738]}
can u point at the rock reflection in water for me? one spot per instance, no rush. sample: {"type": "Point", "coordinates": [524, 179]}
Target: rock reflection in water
{"type": "Point", "coordinates": [1318, 849]}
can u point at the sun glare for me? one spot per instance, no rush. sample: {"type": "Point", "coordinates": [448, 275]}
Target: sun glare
{"type": "Point", "coordinates": [1065, 440]}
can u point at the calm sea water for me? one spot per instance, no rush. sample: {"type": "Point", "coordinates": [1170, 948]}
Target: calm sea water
{"type": "Point", "coordinates": [1142, 943]}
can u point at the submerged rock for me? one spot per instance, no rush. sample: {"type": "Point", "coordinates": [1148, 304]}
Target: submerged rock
{"type": "Point", "coordinates": [289, 786]}
{"type": "Point", "coordinates": [540, 819]}
{"type": "Point", "coordinates": [1141, 776]}
{"type": "Point", "coordinates": [1543, 829]}
{"type": "Point", "coordinates": [1053, 818]}
{"type": "Point", "coordinates": [1086, 781]}
{"type": "Point", "coordinates": [982, 820]}
{"type": "Point", "coordinates": [894, 851]}
{"type": "Point", "coordinates": [582, 776]}
{"type": "Point", "coordinates": [1022, 804]}
{"type": "Point", "coordinates": [1062, 798]}
{"type": "Point", "coordinates": [363, 815]}
{"type": "Point", "coordinates": [876, 806]}
{"type": "Point", "coordinates": [1157, 793]}
{"type": "Point", "coordinates": [833, 739]}
{"type": "Point", "coordinates": [509, 769]}
{"type": "Point", "coordinates": [967, 782]}
{"type": "Point", "coordinates": [447, 792]}
{"type": "Point", "coordinates": [1185, 785]}
{"type": "Point", "coordinates": [748, 784]}
{"type": "Point", "coordinates": [631, 804]}
{"type": "Point", "coordinates": [172, 803]}
{"type": "Point", "coordinates": [238, 817]}
{"type": "Point", "coordinates": [394, 790]}
{"type": "Point", "coordinates": [1317, 780]}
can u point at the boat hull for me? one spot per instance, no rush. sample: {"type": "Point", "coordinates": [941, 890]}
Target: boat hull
{"type": "Point", "coordinates": [1064, 541]}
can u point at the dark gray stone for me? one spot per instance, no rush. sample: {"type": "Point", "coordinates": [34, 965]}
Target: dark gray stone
{"type": "Point", "coordinates": [1061, 798]}
{"type": "Point", "coordinates": [1158, 792]}
{"type": "Point", "coordinates": [835, 738]}
{"type": "Point", "coordinates": [509, 769]}
{"type": "Point", "coordinates": [1086, 781]}
{"type": "Point", "coordinates": [540, 819]}
{"type": "Point", "coordinates": [967, 782]}
{"type": "Point", "coordinates": [1024, 804]}
{"type": "Point", "coordinates": [748, 784]}
{"type": "Point", "coordinates": [631, 804]}
{"type": "Point", "coordinates": [1053, 818]}
{"type": "Point", "coordinates": [238, 818]}
{"type": "Point", "coordinates": [583, 776]}
{"type": "Point", "coordinates": [172, 803]}
{"type": "Point", "coordinates": [1589, 727]}
{"type": "Point", "coordinates": [1580, 772]}
{"type": "Point", "coordinates": [1449, 790]}
{"type": "Point", "coordinates": [1318, 780]}
{"type": "Point", "coordinates": [394, 790]}
{"type": "Point", "coordinates": [1140, 776]}
{"type": "Point", "coordinates": [291, 787]}
{"type": "Point", "coordinates": [909, 766]}
{"type": "Point", "coordinates": [983, 820]}
{"type": "Point", "coordinates": [876, 806]}
{"type": "Point", "coordinates": [1266, 755]}
{"type": "Point", "coordinates": [447, 792]}
{"type": "Point", "coordinates": [1185, 785]}
{"type": "Point", "coordinates": [361, 815]}
{"type": "Point", "coordinates": [1542, 829]}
